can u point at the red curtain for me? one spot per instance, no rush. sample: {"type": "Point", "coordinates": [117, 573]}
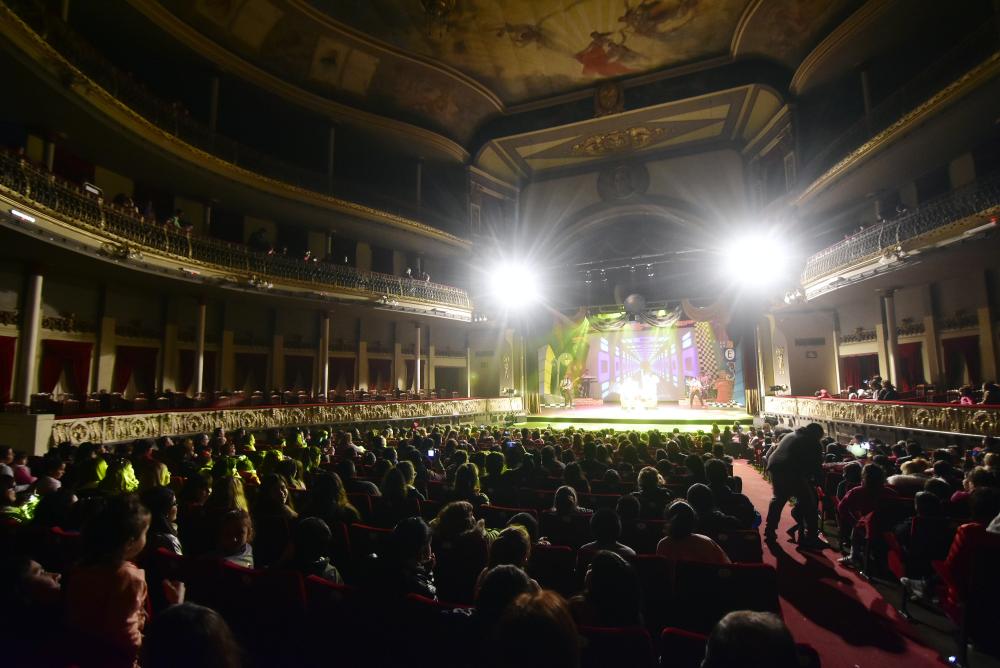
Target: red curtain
{"type": "Point", "coordinates": [250, 371]}
{"type": "Point", "coordinates": [411, 381]}
{"type": "Point", "coordinates": [298, 372]}
{"type": "Point", "coordinates": [909, 365]}
{"type": "Point", "coordinates": [138, 362]}
{"type": "Point", "coordinates": [959, 351]}
{"type": "Point", "coordinates": [856, 368]}
{"type": "Point", "coordinates": [380, 374]}
{"type": "Point", "coordinates": [69, 357]}
{"type": "Point", "coordinates": [7, 344]}
{"type": "Point", "coordinates": [341, 373]}
{"type": "Point", "coordinates": [185, 371]}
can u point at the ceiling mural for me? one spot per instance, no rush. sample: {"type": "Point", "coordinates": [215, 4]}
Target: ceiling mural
{"type": "Point", "coordinates": [785, 30]}
{"type": "Point", "coordinates": [528, 49]}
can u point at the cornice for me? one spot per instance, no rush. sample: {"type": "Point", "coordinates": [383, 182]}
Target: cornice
{"type": "Point", "coordinates": [323, 19]}
{"type": "Point", "coordinates": [866, 14]}
{"type": "Point", "coordinates": [941, 100]}
{"type": "Point", "coordinates": [229, 61]}
{"type": "Point", "coordinates": [43, 54]}
{"type": "Point", "coordinates": [741, 27]}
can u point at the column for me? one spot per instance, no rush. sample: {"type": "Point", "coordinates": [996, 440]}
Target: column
{"type": "Point", "coordinates": [891, 332]}
{"type": "Point", "coordinates": [416, 364]}
{"type": "Point", "coordinates": [64, 11]}
{"type": "Point", "coordinates": [31, 320]}
{"type": "Point", "coordinates": [836, 353]}
{"type": "Point", "coordinates": [213, 104]}
{"type": "Point", "coordinates": [398, 367]}
{"type": "Point", "coordinates": [199, 348]}
{"type": "Point", "coordinates": [468, 371]}
{"type": "Point", "coordinates": [331, 142]}
{"type": "Point", "coordinates": [227, 363]}
{"type": "Point", "coordinates": [323, 359]}
{"type": "Point", "coordinates": [932, 343]}
{"type": "Point", "coordinates": [431, 380]}
{"type": "Point", "coordinates": [866, 98]}
{"type": "Point", "coordinates": [363, 256]}
{"type": "Point", "coordinates": [364, 381]}
{"type": "Point", "coordinates": [278, 362]}
{"type": "Point", "coordinates": [104, 355]}
{"type": "Point", "coordinates": [50, 154]}
{"type": "Point", "coordinates": [987, 345]}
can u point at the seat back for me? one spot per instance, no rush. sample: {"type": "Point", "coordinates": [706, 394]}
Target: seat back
{"type": "Point", "coordinates": [552, 567]}
{"type": "Point", "coordinates": [712, 590]}
{"type": "Point", "coordinates": [619, 646]}
{"type": "Point", "coordinates": [656, 581]}
{"type": "Point", "coordinates": [643, 535]}
{"type": "Point", "coordinates": [459, 563]}
{"type": "Point", "coordinates": [363, 502]}
{"type": "Point", "coordinates": [979, 611]}
{"type": "Point", "coordinates": [742, 546]}
{"type": "Point", "coordinates": [571, 530]}
{"type": "Point", "coordinates": [496, 517]}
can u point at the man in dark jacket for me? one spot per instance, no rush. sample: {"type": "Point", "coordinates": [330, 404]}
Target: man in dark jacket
{"type": "Point", "coordinates": [796, 462]}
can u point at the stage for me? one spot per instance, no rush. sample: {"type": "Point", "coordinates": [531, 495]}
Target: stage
{"type": "Point", "coordinates": [665, 417]}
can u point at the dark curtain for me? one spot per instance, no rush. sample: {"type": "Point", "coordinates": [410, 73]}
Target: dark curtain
{"type": "Point", "coordinates": [69, 357]}
{"type": "Point", "coordinates": [450, 379]}
{"type": "Point", "coordinates": [380, 374]}
{"type": "Point", "coordinates": [958, 352]}
{"type": "Point", "coordinates": [410, 382]}
{"type": "Point", "coordinates": [856, 368]}
{"type": "Point", "coordinates": [341, 371]}
{"type": "Point", "coordinates": [250, 371]}
{"type": "Point", "coordinates": [909, 365]}
{"type": "Point", "coordinates": [298, 372]}
{"type": "Point", "coordinates": [7, 344]}
{"type": "Point", "coordinates": [137, 362]}
{"type": "Point", "coordinates": [185, 371]}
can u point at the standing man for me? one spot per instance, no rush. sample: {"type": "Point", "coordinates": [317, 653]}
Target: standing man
{"type": "Point", "coordinates": [566, 389]}
{"type": "Point", "coordinates": [794, 466]}
{"type": "Point", "coordinates": [694, 390]}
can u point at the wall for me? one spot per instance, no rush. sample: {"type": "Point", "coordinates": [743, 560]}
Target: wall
{"type": "Point", "coordinates": [808, 367]}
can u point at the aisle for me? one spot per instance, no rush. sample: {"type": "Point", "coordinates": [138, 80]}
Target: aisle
{"type": "Point", "coordinates": [831, 607]}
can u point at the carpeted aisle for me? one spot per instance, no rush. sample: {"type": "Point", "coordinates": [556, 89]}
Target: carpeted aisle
{"type": "Point", "coordinates": [831, 607]}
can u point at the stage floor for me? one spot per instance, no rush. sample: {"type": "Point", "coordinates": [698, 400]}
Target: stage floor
{"type": "Point", "coordinates": [665, 415]}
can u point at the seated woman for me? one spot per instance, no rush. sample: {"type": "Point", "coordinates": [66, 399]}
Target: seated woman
{"type": "Point", "coordinates": [106, 593]}
{"type": "Point", "coordinates": [682, 543]}
{"type": "Point", "coordinates": [709, 519]}
{"type": "Point", "coordinates": [310, 548]}
{"type": "Point", "coordinates": [729, 502]}
{"type": "Point", "coordinates": [956, 569]}
{"type": "Point", "coordinates": [978, 477]}
{"type": "Point", "coordinates": [162, 505]}
{"type": "Point", "coordinates": [461, 545]}
{"type": "Point", "coordinates": [565, 503]}
{"type": "Point", "coordinates": [863, 499]}
{"type": "Point", "coordinates": [607, 529]}
{"type": "Point", "coordinates": [30, 612]}
{"type": "Point", "coordinates": [652, 495]}
{"type": "Point", "coordinates": [400, 499]}
{"type": "Point", "coordinates": [408, 564]}
{"type": "Point", "coordinates": [926, 537]}
{"type": "Point", "coordinates": [611, 594]}
{"type": "Point", "coordinates": [328, 501]}
{"type": "Point", "coordinates": [573, 477]}
{"type": "Point", "coordinates": [911, 479]}
{"type": "Point", "coordinates": [466, 485]}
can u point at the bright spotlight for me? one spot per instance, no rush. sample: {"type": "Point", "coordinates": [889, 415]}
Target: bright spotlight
{"type": "Point", "coordinates": [769, 252]}
{"type": "Point", "coordinates": [515, 287]}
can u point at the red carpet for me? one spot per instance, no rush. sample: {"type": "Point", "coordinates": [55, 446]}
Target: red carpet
{"type": "Point", "coordinates": [831, 607]}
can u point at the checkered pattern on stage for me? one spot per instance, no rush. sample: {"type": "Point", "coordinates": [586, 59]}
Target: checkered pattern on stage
{"type": "Point", "coordinates": [708, 349]}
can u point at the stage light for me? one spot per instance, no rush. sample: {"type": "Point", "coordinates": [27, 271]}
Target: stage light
{"type": "Point", "coordinates": [604, 276]}
{"type": "Point", "coordinates": [515, 287]}
{"type": "Point", "coordinates": [22, 215]}
{"type": "Point", "coordinates": [587, 280]}
{"type": "Point", "coordinates": [770, 252]}
{"type": "Point", "coordinates": [649, 271]}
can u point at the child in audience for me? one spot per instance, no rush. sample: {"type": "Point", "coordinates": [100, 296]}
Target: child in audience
{"type": "Point", "coordinates": [191, 636]}
{"type": "Point", "coordinates": [311, 545]}
{"type": "Point", "coordinates": [233, 540]}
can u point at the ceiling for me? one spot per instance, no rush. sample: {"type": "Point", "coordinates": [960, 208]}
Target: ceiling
{"type": "Point", "coordinates": [486, 57]}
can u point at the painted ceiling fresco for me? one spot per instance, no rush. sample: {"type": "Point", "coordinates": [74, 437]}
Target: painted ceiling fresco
{"type": "Point", "coordinates": [536, 48]}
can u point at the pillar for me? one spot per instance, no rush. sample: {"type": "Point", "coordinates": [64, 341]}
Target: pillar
{"type": "Point", "coordinates": [364, 381]}
{"type": "Point", "coordinates": [468, 371]}
{"type": "Point", "coordinates": [50, 154]}
{"type": "Point", "coordinates": [932, 342]}
{"type": "Point", "coordinates": [324, 355]}
{"type": "Point", "coordinates": [398, 368]}
{"type": "Point", "coordinates": [227, 362]}
{"type": "Point", "coordinates": [363, 256]}
{"type": "Point", "coordinates": [836, 351]}
{"type": "Point", "coordinates": [104, 355]}
{"type": "Point", "coordinates": [31, 320]}
{"type": "Point", "coordinates": [331, 142]}
{"type": "Point", "coordinates": [199, 348]}
{"type": "Point", "coordinates": [891, 333]}
{"type": "Point", "coordinates": [416, 364]}
{"type": "Point", "coordinates": [213, 104]}
{"type": "Point", "coordinates": [64, 11]}
{"type": "Point", "coordinates": [866, 98]}
{"type": "Point", "coordinates": [431, 379]}
{"type": "Point", "coordinates": [987, 342]}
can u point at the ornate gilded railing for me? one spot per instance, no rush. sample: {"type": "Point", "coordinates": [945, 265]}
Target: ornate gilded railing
{"type": "Point", "coordinates": [977, 198]}
{"type": "Point", "coordinates": [950, 418]}
{"type": "Point", "coordinates": [126, 427]}
{"type": "Point", "coordinates": [132, 234]}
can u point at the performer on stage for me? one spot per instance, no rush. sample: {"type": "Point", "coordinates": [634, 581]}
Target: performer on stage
{"type": "Point", "coordinates": [694, 390]}
{"type": "Point", "coordinates": [566, 389]}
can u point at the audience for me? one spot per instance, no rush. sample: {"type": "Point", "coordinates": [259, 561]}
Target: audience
{"type": "Point", "coordinates": [682, 543]}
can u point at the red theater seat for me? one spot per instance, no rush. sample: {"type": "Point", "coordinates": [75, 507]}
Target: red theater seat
{"type": "Point", "coordinates": [709, 591]}
{"type": "Point", "coordinates": [626, 646]}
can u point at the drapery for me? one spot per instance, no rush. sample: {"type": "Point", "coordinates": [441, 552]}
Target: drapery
{"type": "Point", "coordinates": [856, 368]}
{"type": "Point", "coordinates": [69, 357]}
{"type": "Point", "coordinates": [411, 381]}
{"type": "Point", "coordinates": [7, 344]}
{"type": "Point", "coordinates": [341, 370]}
{"type": "Point", "coordinates": [250, 371]}
{"type": "Point", "coordinates": [380, 374]}
{"type": "Point", "coordinates": [136, 363]}
{"type": "Point", "coordinates": [185, 371]}
{"type": "Point", "coordinates": [298, 372]}
{"type": "Point", "coordinates": [909, 365]}
{"type": "Point", "coordinates": [959, 351]}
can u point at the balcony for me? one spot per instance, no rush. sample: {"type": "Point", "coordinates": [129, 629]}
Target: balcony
{"type": "Point", "coordinates": [377, 202]}
{"type": "Point", "coordinates": [123, 236]}
{"type": "Point", "coordinates": [950, 217]}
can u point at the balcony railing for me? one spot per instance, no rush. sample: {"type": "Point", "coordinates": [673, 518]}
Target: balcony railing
{"type": "Point", "coordinates": [174, 119]}
{"type": "Point", "coordinates": [124, 228]}
{"type": "Point", "coordinates": [872, 242]}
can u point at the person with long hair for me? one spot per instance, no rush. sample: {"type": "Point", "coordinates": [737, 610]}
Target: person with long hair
{"type": "Point", "coordinates": [162, 505]}
{"type": "Point", "coordinates": [466, 487]}
{"type": "Point", "coordinates": [682, 543]}
{"type": "Point", "coordinates": [328, 501]}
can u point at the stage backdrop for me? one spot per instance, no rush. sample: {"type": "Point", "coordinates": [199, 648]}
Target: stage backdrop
{"type": "Point", "coordinates": [611, 350]}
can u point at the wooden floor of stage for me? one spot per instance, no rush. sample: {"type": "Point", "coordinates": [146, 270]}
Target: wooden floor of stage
{"type": "Point", "coordinates": [665, 414]}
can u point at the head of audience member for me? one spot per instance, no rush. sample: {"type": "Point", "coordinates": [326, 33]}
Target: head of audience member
{"type": "Point", "coordinates": [454, 520]}
{"type": "Point", "coordinates": [611, 586]}
{"type": "Point", "coordinates": [852, 472]}
{"type": "Point", "coordinates": [680, 518]}
{"type": "Point", "coordinates": [234, 533]}
{"type": "Point", "coordinates": [606, 527]}
{"type": "Point", "coordinates": [746, 639]}
{"type": "Point", "coordinates": [695, 466]}
{"type": "Point", "coordinates": [410, 543]}
{"type": "Point", "coordinates": [872, 476]}
{"type": "Point", "coordinates": [227, 494]}
{"type": "Point", "coordinates": [162, 505]}
{"type": "Point", "coordinates": [528, 522]}
{"type": "Point", "coordinates": [649, 479]}
{"type": "Point", "coordinates": [701, 499]}
{"type": "Point", "coordinates": [565, 502]}
{"type": "Point", "coordinates": [716, 473]}
{"type": "Point", "coordinates": [978, 477]}
{"type": "Point", "coordinates": [940, 488]}
{"type": "Point", "coordinates": [499, 586]}
{"type": "Point", "coordinates": [536, 631]}
{"type": "Point", "coordinates": [117, 532]}
{"type": "Point", "coordinates": [311, 540]}
{"type": "Point", "coordinates": [984, 504]}
{"type": "Point", "coordinates": [190, 635]}
{"type": "Point", "coordinates": [467, 480]}
{"type": "Point", "coordinates": [628, 508]}
{"type": "Point", "coordinates": [511, 547]}
{"type": "Point", "coordinates": [927, 504]}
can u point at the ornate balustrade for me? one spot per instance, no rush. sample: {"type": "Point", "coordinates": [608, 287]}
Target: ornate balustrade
{"type": "Point", "coordinates": [127, 235]}
{"type": "Point", "coordinates": [949, 418]}
{"type": "Point", "coordinates": [980, 198]}
{"type": "Point", "coordinates": [126, 427]}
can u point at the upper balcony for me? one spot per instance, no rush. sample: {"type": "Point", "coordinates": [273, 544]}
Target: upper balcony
{"type": "Point", "coordinates": [97, 85]}
{"type": "Point", "coordinates": [950, 218]}
{"type": "Point", "coordinates": [35, 201]}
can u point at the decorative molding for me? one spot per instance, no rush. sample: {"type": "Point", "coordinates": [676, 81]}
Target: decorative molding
{"type": "Point", "coordinates": [860, 335]}
{"type": "Point", "coordinates": [618, 141]}
{"type": "Point", "coordinates": [67, 323]}
{"type": "Point", "coordinates": [960, 320]}
{"type": "Point", "coordinates": [10, 318]}
{"type": "Point", "coordinates": [967, 420]}
{"type": "Point", "coordinates": [137, 329]}
{"type": "Point", "coordinates": [910, 327]}
{"type": "Point", "coordinates": [115, 428]}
